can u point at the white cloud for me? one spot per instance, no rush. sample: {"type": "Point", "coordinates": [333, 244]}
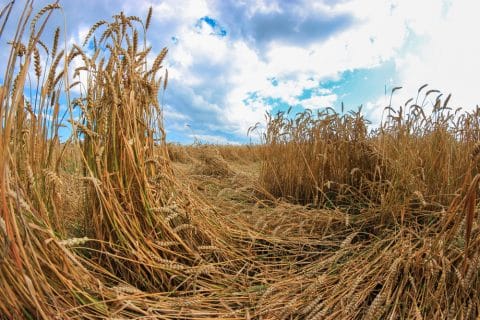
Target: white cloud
{"type": "Point", "coordinates": [448, 58]}
{"type": "Point", "coordinates": [170, 114]}
{"type": "Point", "coordinates": [430, 41]}
{"type": "Point", "coordinates": [235, 68]}
{"type": "Point", "coordinates": [322, 101]}
{"type": "Point", "coordinates": [375, 110]}
{"type": "Point", "coordinates": [214, 139]}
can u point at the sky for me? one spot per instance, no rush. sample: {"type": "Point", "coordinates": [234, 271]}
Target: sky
{"type": "Point", "coordinates": [230, 62]}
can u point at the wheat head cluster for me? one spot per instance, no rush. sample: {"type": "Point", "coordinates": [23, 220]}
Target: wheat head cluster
{"type": "Point", "coordinates": [326, 218]}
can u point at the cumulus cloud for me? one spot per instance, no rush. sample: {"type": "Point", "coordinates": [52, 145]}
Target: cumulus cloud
{"type": "Point", "coordinates": [207, 138]}
{"type": "Point", "coordinates": [276, 51]}
{"type": "Point", "coordinates": [231, 61]}
{"type": "Point", "coordinates": [321, 101]}
{"type": "Point", "coordinates": [447, 57]}
{"type": "Point", "coordinates": [297, 23]}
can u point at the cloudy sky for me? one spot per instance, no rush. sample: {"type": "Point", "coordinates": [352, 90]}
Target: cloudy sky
{"type": "Point", "coordinates": [230, 62]}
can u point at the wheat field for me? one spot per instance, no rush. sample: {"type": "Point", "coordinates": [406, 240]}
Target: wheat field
{"type": "Point", "coordinates": [326, 218]}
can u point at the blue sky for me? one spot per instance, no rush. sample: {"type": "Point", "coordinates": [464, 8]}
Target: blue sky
{"type": "Point", "coordinates": [230, 62]}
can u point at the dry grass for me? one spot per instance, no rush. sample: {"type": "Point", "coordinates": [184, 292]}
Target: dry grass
{"type": "Point", "coordinates": [178, 153]}
{"type": "Point", "coordinates": [405, 193]}
{"type": "Point", "coordinates": [331, 159]}
{"type": "Point", "coordinates": [210, 162]}
{"type": "Point", "coordinates": [378, 225]}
